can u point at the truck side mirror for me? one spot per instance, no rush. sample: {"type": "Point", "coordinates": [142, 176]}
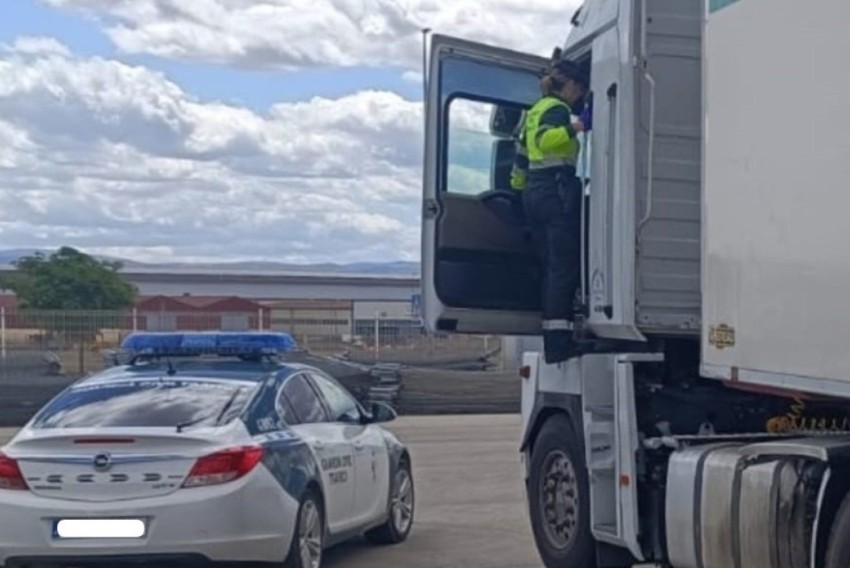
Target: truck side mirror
{"type": "Point", "coordinates": [504, 121]}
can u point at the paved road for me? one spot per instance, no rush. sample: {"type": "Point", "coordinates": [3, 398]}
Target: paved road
{"type": "Point", "coordinates": [470, 505]}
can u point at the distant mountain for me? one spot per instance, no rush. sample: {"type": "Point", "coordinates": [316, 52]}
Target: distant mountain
{"type": "Point", "coordinates": [399, 268]}
{"type": "Point", "coordinates": [387, 268]}
{"type": "Point", "coordinates": [11, 255]}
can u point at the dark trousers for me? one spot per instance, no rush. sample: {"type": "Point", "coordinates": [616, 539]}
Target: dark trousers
{"type": "Point", "coordinates": [553, 209]}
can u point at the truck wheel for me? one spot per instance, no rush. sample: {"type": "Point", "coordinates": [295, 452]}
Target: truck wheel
{"type": "Point", "coordinates": [559, 499]}
{"type": "Point", "coordinates": [838, 550]}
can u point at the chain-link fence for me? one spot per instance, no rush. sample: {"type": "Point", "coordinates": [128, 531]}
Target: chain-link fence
{"type": "Point", "coordinates": [71, 344]}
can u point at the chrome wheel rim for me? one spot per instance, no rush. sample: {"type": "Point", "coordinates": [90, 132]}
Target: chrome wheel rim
{"type": "Point", "coordinates": [559, 499]}
{"type": "Point", "coordinates": [310, 535]}
{"type": "Point", "coordinates": [402, 503]}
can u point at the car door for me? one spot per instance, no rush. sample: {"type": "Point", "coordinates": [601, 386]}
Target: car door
{"type": "Point", "coordinates": [371, 457]}
{"type": "Point", "coordinates": [333, 452]}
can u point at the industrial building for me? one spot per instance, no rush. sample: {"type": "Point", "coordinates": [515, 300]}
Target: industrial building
{"type": "Point", "coordinates": [304, 304]}
{"type": "Point", "coordinates": [267, 285]}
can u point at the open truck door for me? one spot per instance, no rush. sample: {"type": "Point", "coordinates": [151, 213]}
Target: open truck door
{"type": "Point", "coordinates": [480, 272]}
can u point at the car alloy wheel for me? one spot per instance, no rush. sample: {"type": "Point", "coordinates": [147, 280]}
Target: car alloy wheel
{"type": "Point", "coordinates": [310, 535]}
{"type": "Point", "coordinates": [402, 502]}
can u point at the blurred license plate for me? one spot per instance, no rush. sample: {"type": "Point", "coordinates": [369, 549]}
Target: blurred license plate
{"type": "Point", "coordinates": [99, 528]}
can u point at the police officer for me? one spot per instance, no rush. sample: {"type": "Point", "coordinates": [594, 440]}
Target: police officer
{"type": "Point", "coordinates": [552, 196]}
{"type": "Point", "coordinates": [519, 172]}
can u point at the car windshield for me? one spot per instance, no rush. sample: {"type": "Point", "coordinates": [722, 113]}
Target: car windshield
{"type": "Point", "coordinates": [147, 403]}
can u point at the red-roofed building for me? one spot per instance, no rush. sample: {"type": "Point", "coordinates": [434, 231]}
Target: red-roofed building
{"type": "Point", "coordinates": [200, 313]}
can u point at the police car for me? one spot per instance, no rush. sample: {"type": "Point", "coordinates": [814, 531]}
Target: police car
{"type": "Point", "coordinates": [201, 448]}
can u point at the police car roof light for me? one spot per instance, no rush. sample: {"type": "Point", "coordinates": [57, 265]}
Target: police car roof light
{"type": "Point", "coordinates": [205, 343]}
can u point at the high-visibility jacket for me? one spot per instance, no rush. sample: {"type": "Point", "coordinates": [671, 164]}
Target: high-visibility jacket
{"type": "Point", "coordinates": [547, 140]}
{"type": "Point", "coordinates": [519, 172]}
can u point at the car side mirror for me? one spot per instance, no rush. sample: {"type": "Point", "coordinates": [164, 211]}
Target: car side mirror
{"type": "Point", "coordinates": [382, 412]}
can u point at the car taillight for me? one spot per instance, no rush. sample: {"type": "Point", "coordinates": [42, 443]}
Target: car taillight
{"type": "Point", "coordinates": [10, 474]}
{"type": "Point", "coordinates": [224, 466]}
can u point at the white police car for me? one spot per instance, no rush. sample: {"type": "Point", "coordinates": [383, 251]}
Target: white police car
{"type": "Point", "coordinates": [238, 457]}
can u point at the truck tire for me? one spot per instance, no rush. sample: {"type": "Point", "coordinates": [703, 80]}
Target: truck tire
{"type": "Point", "coordinates": [559, 497]}
{"type": "Point", "coordinates": [838, 548]}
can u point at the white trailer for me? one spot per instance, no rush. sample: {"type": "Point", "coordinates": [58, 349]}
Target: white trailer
{"type": "Point", "coordinates": [714, 434]}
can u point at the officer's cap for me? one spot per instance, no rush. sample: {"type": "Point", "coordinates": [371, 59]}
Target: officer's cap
{"type": "Point", "coordinates": [570, 70]}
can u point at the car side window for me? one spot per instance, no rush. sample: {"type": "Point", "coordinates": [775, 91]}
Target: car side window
{"type": "Point", "coordinates": [304, 401]}
{"type": "Point", "coordinates": [284, 408]}
{"type": "Point", "coordinates": [342, 405]}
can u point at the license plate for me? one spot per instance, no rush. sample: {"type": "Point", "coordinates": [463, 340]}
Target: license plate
{"type": "Point", "coordinates": [99, 528]}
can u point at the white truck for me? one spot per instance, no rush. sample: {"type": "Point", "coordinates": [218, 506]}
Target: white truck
{"type": "Point", "coordinates": [714, 434]}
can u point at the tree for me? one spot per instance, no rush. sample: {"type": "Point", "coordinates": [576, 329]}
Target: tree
{"type": "Point", "coordinates": [70, 280]}
{"type": "Point", "coordinates": [56, 290]}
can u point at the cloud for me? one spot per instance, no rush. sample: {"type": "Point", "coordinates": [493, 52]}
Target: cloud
{"type": "Point", "coordinates": [100, 154]}
{"type": "Point", "coordinates": [35, 45]}
{"type": "Point", "coordinates": [413, 77]}
{"type": "Point", "coordinates": [291, 34]}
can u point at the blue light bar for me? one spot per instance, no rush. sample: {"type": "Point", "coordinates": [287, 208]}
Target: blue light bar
{"type": "Point", "coordinates": [208, 343]}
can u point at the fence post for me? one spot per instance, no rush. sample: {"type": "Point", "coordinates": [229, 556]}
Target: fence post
{"type": "Point", "coordinates": [3, 331]}
{"type": "Point", "coordinates": [377, 336]}
{"type": "Point", "coordinates": [260, 322]}
{"type": "Point", "coordinates": [135, 320]}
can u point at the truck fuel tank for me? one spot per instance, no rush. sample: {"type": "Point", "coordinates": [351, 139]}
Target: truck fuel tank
{"type": "Point", "coordinates": [738, 505]}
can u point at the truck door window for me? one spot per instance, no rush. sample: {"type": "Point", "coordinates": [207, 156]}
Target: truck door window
{"type": "Point", "coordinates": [470, 147]}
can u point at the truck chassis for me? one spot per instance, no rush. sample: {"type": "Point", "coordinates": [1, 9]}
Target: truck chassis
{"type": "Point", "coordinates": [632, 458]}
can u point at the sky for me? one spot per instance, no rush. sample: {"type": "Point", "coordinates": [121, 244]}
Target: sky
{"type": "Point", "coordinates": [212, 130]}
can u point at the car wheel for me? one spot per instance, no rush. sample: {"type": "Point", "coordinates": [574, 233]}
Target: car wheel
{"type": "Point", "coordinates": [559, 497]}
{"type": "Point", "coordinates": [402, 505]}
{"type": "Point", "coordinates": [308, 543]}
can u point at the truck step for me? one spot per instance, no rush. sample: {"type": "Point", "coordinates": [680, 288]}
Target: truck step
{"type": "Point", "coordinates": [600, 409]}
{"type": "Point", "coordinates": [605, 529]}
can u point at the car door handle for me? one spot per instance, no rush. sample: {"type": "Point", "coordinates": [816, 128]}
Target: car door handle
{"type": "Point", "coordinates": [358, 446]}
{"type": "Point", "coordinates": [319, 445]}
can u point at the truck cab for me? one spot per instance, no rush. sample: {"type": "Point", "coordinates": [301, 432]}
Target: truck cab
{"type": "Point", "coordinates": [711, 435]}
{"type": "Point", "coordinates": [641, 264]}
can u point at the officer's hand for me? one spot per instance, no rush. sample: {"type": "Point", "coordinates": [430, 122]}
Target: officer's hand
{"type": "Point", "coordinates": [579, 126]}
{"type": "Point", "coordinates": [586, 118]}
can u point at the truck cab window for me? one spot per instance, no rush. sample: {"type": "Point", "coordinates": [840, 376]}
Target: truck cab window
{"type": "Point", "coordinates": [583, 166]}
